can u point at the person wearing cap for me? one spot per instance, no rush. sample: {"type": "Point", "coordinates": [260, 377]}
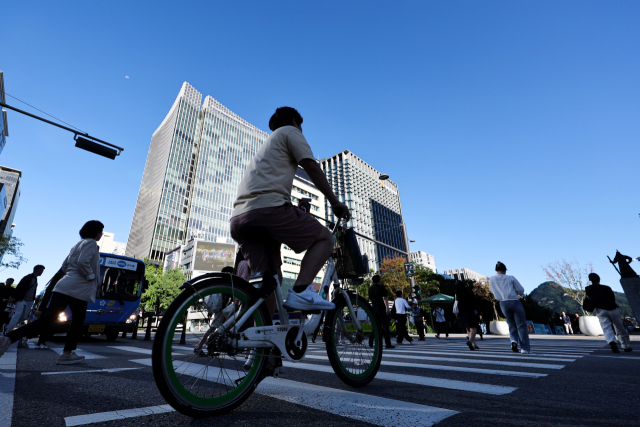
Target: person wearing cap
{"type": "Point", "coordinates": [418, 318]}
{"type": "Point", "coordinates": [507, 289]}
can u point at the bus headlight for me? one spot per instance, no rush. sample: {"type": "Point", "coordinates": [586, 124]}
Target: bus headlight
{"type": "Point", "coordinates": [62, 317]}
{"type": "Point", "coordinates": [131, 318]}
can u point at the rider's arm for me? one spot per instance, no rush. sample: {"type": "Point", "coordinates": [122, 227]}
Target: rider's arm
{"type": "Point", "coordinates": [318, 177]}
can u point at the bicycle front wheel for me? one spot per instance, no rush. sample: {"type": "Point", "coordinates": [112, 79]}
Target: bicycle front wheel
{"type": "Point", "coordinates": [355, 356]}
{"type": "Point", "coordinates": [211, 380]}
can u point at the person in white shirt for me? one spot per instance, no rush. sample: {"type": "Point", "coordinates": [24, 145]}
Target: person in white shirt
{"type": "Point", "coordinates": [507, 290]}
{"type": "Point", "coordinates": [402, 306]}
{"type": "Point", "coordinates": [441, 323]}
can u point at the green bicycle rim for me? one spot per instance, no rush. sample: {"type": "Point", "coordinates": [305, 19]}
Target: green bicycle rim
{"type": "Point", "coordinates": [173, 378]}
{"type": "Point", "coordinates": [376, 337]}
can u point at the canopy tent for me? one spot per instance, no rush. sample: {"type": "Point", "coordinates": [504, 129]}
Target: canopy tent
{"type": "Point", "coordinates": [438, 299]}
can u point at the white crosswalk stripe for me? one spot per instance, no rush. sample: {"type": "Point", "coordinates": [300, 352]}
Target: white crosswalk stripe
{"type": "Point", "coordinates": [452, 358]}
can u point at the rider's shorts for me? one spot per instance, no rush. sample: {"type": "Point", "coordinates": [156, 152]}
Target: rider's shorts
{"type": "Point", "coordinates": [261, 232]}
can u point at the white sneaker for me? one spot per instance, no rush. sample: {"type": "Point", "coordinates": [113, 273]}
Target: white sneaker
{"type": "Point", "coordinates": [69, 359]}
{"type": "Point", "coordinates": [307, 300]}
{"type": "Point", "coordinates": [42, 346]}
{"type": "Point", "coordinates": [525, 352]}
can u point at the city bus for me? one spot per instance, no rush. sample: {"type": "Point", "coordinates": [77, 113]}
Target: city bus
{"type": "Point", "coordinates": [122, 282]}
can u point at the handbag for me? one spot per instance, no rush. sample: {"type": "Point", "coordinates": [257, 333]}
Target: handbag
{"type": "Point", "coordinates": [455, 310]}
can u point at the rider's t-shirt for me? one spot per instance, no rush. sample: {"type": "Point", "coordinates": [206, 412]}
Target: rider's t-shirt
{"type": "Point", "coordinates": [268, 180]}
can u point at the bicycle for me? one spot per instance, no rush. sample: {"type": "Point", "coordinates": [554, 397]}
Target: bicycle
{"type": "Point", "coordinates": [215, 382]}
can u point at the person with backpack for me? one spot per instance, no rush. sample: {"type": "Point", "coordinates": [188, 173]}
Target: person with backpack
{"type": "Point", "coordinates": [603, 300]}
{"type": "Point", "coordinates": [23, 296]}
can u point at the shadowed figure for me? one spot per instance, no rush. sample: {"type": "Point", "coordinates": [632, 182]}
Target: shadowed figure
{"type": "Point", "coordinates": [623, 262]}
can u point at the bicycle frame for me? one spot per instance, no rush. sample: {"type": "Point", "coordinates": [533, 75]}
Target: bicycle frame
{"type": "Point", "coordinates": [275, 336]}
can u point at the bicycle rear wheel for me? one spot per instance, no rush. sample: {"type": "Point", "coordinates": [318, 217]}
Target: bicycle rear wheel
{"type": "Point", "coordinates": [352, 358]}
{"type": "Point", "coordinates": [212, 382]}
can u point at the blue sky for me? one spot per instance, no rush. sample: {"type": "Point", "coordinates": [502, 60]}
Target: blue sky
{"type": "Point", "coordinates": [511, 127]}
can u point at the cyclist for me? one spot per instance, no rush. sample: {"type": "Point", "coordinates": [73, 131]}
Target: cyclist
{"type": "Point", "coordinates": [263, 217]}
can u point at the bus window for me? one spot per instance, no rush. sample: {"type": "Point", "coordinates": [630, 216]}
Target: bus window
{"type": "Point", "coordinates": [119, 284]}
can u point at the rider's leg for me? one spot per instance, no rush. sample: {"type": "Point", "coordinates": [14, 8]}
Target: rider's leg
{"type": "Point", "coordinates": [314, 259]}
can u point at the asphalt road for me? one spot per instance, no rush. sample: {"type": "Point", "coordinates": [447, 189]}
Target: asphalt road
{"type": "Point", "coordinates": [566, 382]}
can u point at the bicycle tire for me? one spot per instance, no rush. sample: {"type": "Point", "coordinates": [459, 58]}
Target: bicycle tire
{"type": "Point", "coordinates": [170, 384]}
{"type": "Point", "coordinates": [348, 362]}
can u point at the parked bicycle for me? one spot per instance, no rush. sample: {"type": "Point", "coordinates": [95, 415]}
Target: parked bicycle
{"type": "Point", "coordinates": [215, 381]}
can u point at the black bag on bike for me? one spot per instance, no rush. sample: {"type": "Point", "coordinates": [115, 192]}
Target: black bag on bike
{"type": "Point", "coordinates": [347, 256]}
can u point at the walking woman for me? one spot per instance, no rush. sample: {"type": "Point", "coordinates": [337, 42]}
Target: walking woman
{"type": "Point", "coordinates": [467, 314]}
{"type": "Point", "coordinates": [78, 286]}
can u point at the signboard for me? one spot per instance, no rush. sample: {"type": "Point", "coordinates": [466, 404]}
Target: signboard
{"type": "Point", "coordinates": [173, 259]}
{"type": "Point", "coordinates": [408, 269]}
{"type": "Point", "coordinates": [118, 263]}
{"type": "Point", "coordinates": [211, 256]}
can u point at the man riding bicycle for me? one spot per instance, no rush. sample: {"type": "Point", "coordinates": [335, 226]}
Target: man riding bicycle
{"type": "Point", "coordinates": [263, 217]}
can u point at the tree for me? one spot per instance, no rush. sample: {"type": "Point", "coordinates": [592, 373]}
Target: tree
{"type": "Point", "coordinates": [10, 245]}
{"type": "Point", "coordinates": [425, 278]}
{"type": "Point", "coordinates": [363, 289]}
{"type": "Point", "coordinates": [571, 276]}
{"type": "Point", "coordinates": [481, 290]}
{"type": "Point", "coordinates": [164, 286]}
{"type": "Point", "coordinates": [393, 277]}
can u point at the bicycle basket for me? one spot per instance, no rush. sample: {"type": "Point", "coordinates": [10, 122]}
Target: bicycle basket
{"type": "Point", "coordinates": [346, 254]}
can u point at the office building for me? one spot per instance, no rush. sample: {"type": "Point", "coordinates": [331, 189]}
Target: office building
{"type": "Point", "coordinates": [109, 246]}
{"type": "Point", "coordinates": [427, 260]}
{"type": "Point", "coordinates": [11, 180]}
{"type": "Point", "coordinates": [4, 127]}
{"type": "Point", "coordinates": [466, 274]}
{"type": "Point", "coordinates": [375, 206]}
{"type": "Point", "coordinates": [196, 160]}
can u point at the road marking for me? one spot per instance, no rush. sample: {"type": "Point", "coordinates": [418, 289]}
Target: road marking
{"type": "Point", "coordinates": [362, 407]}
{"type": "Point", "coordinates": [478, 361]}
{"type": "Point", "coordinates": [87, 354]}
{"type": "Point", "coordinates": [452, 368]}
{"type": "Point", "coordinates": [138, 350]}
{"type": "Point", "coordinates": [536, 350]}
{"type": "Point", "coordinates": [7, 384]}
{"type": "Point", "coordinates": [390, 353]}
{"type": "Point", "coordinates": [102, 417]}
{"type": "Point", "coordinates": [616, 357]}
{"type": "Point", "coordinates": [89, 371]}
{"type": "Point", "coordinates": [418, 380]}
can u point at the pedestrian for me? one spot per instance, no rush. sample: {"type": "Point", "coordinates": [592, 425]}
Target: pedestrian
{"type": "Point", "coordinates": [467, 314]}
{"type": "Point", "coordinates": [401, 306]}
{"type": "Point", "coordinates": [5, 293]}
{"type": "Point", "coordinates": [576, 323]}
{"type": "Point", "coordinates": [567, 323]}
{"type": "Point", "coordinates": [483, 326]}
{"type": "Point", "coordinates": [418, 319]}
{"type": "Point", "coordinates": [23, 296]}
{"type": "Point", "coordinates": [77, 288]}
{"type": "Point", "coordinates": [507, 289]}
{"type": "Point", "coordinates": [379, 298]}
{"type": "Point", "coordinates": [604, 301]}
{"type": "Point", "coordinates": [552, 326]}
{"type": "Point", "coordinates": [441, 323]}
{"type": "Point", "coordinates": [42, 307]}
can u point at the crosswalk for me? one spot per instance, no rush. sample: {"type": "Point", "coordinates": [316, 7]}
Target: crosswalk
{"type": "Point", "coordinates": [447, 366]}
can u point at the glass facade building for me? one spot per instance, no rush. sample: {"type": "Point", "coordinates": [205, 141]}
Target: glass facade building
{"type": "Point", "coordinates": [11, 180]}
{"type": "Point", "coordinates": [375, 206]}
{"type": "Point", "coordinates": [196, 160]}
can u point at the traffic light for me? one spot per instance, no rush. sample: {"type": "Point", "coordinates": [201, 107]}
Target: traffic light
{"type": "Point", "coordinates": [416, 291]}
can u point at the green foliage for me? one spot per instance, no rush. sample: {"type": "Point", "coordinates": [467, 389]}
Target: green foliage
{"type": "Point", "coordinates": [10, 246]}
{"type": "Point", "coordinates": [393, 277]}
{"type": "Point", "coordinates": [425, 278]}
{"type": "Point", "coordinates": [163, 288]}
{"type": "Point", "coordinates": [534, 311]}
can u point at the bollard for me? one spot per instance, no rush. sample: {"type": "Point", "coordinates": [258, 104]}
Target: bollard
{"type": "Point", "coordinates": [134, 334]}
{"type": "Point", "coordinates": [147, 334]}
{"type": "Point", "coordinates": [183, 337]}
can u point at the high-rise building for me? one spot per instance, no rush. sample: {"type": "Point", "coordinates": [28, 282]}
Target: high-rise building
{"type": "Point", "coordinates": [109, 246]}
{"type": "Point", "coordinates": [427, 260]}
{"type": "Point", "coordinates": [196, 160]}
{"type": "Point", "coordinates": [11, 180]}
{"type": "Point", "coordinates": [466, 274]}
{"type": "Point", "coordinates": [376, 213]}
{"type": "Point", "coordinates": [4, 128]}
